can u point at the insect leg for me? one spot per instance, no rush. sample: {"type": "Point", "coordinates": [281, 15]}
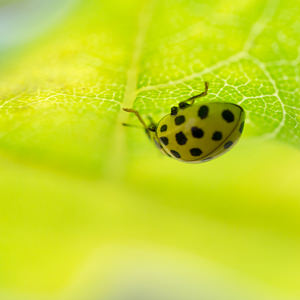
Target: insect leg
{"type": "Point", "coordinates": [130, 125]}
{"type": "Point", "coordinates": [130, 110]}
{"type": "Point", "coordinates": [192, 99]}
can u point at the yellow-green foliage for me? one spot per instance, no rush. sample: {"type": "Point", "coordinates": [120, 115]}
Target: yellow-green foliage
{"type": "Point", "coordinates": [82, 197]}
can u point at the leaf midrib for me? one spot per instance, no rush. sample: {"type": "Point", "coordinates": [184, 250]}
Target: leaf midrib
{"type": "Point", "coordinates": [115, 167]}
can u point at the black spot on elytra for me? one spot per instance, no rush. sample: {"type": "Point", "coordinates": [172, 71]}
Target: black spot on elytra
{"type": "Point", "coordinates": [164, 140]}
{"type": "Point", "coordinates": [203, 111]}
{"type": "Point", "coordinates": [242, 127]}
{"type": "Point", "coordinates": [179, 120]}
{"type": "Point", "coordinates": [228, 115]}
{"type": "Point", "coordinates": [183, 105]}
{"type": "Point", "coordinates": [181, 139]}
{"type": "Point", "coordinates": [228, 144]}
{"type": "Point", "coordinates": [175, 153]}
{"type": "Point", "coordinates": [197, 132]}
{"type": "Point", "coordinates": [217, 136]}
{"type": "Point", "coordinates": [195, 152]}
{"type": "Point", "coordinates": [163, 128]}
{"type": "Point", "coordinates": [174, 110]}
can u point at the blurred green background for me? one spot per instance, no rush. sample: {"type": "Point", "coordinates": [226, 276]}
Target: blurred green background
{"type": "Point", "coordinates": [91, 210]}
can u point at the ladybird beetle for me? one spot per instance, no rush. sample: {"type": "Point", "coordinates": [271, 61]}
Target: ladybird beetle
{"type": "Point", "coordinates": [196, 132]}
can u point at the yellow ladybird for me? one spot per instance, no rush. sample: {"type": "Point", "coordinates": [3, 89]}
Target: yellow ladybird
{"type": "Point", "coordinates": [197, 132]}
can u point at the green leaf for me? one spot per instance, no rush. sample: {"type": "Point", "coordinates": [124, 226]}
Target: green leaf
{"type": "Point", "coordinates": [73, 179]}
{"type": "Point", "coordinates": [61, 101]}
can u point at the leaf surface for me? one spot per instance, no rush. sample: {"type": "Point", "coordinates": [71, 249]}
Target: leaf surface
{"type": "Point", "coordinates": [60, 102]}
{"type": "Point", "coordinates": [61, 99]}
